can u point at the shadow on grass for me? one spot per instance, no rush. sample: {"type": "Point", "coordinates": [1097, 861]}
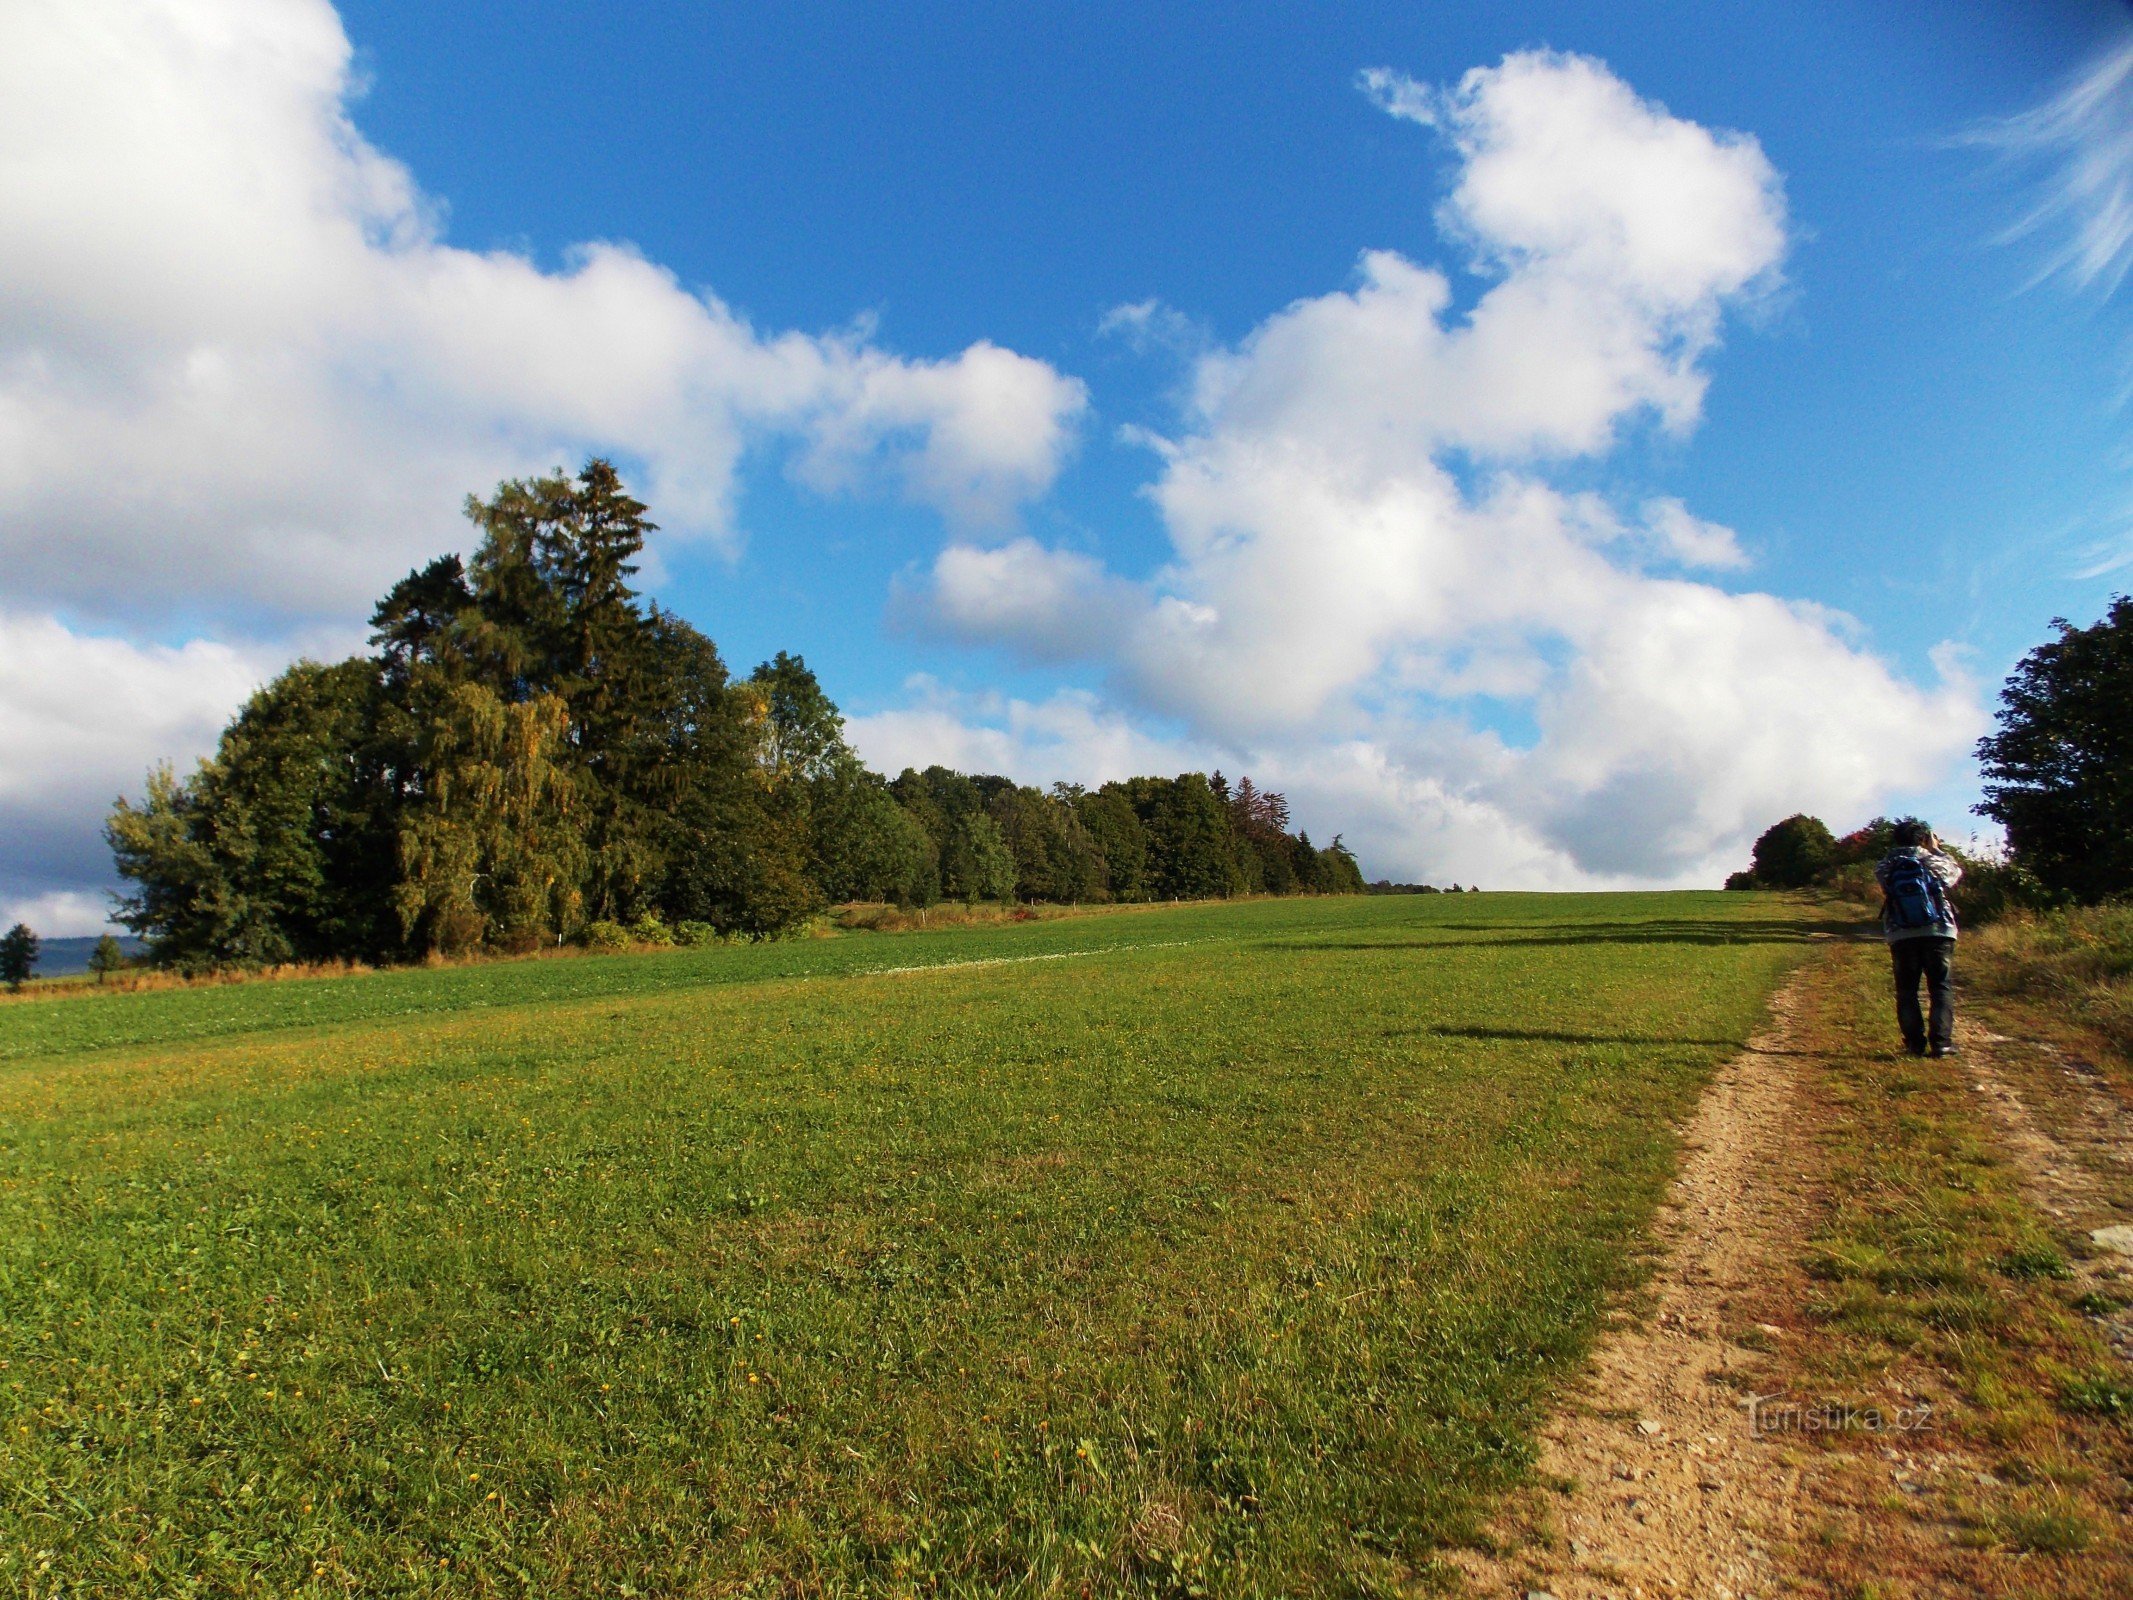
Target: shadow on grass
{"type": "Point", "coordinates": [1553, 1036]}
{"type": "Point", "coordinates": [1513, 935]}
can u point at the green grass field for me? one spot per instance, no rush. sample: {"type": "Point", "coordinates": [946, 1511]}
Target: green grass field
{"type": "Point", "coordinates": [1220, 1249]}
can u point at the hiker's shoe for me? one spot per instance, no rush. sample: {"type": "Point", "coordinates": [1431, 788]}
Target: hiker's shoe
{"type": "Point", "coordinates": [1914, 1049]}
{"type": "Point", "coordinates": [1943, 1051]}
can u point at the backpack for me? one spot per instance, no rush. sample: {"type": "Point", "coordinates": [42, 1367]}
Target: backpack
{"type": "Point", "coordinates": [1915, 898]}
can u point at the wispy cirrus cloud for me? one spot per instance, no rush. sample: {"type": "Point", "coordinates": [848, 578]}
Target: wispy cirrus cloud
{"type": "Point", "coordinates": [2075, 151]}
{"type": "Point", "coordinates": [2079, 143]}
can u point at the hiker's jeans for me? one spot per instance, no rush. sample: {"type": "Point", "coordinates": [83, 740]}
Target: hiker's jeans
{"type": "Point", "coordinates": [1934, 961]}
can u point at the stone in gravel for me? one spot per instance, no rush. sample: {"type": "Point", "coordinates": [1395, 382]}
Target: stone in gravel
{"type": "Point", "coordinates": [1539, 1594]}
{"type": "Point", "coordinates": [2119, 1237]}
{"type": "Point", "coordinates": [1647, 1427]}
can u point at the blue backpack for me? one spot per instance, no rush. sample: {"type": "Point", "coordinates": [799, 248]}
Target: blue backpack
{"type": "Point", "coordinates": [1915, 898]}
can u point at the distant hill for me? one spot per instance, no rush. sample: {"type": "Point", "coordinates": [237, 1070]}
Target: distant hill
{"type": "Point", "coordinates": [62, 958]}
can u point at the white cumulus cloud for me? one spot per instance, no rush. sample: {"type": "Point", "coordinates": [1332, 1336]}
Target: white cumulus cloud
{"type": "Point", "coordinates": [240, 364]}
{"type": "Point", "coordinates": [82, 715]}
{"type": "Point", "coordinates": [1069, 737]}
{"type": "Point", "coordinates": [1367, 544]}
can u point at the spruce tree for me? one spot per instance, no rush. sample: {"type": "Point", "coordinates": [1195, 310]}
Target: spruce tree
{"type": "Point", "coordinates": [106, 958]}
{"type": "Point", "coordinates": [18, 956]}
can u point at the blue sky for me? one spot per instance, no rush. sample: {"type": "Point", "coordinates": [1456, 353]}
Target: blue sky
{"type": "Point", "coordinates": [1905, 437]}
{"type": "Point", "coordinates": [1901, 414]}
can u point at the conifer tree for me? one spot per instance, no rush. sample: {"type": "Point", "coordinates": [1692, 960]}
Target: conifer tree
{"type": "Point", "coordinates": [18, 956]}
{"type": "Point", "coordinates": [107, 957]}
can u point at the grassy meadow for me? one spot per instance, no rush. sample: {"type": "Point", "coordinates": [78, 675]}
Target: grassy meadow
{"type": "Point", "coordinates": [1219, 1249]}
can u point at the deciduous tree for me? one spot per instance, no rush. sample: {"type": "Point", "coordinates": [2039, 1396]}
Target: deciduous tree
{"type": "Point", "coordinates": [1792, 854]}
{"type": "Point", "coordinates": [2059, 772]}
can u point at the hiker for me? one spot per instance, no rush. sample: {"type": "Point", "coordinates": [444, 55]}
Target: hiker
{"type": "Point", "coordinates": [1919, 924]}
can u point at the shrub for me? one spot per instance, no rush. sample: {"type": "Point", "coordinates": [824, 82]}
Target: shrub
{"type": "Point", "coordinates": [695, 934]}
{"type": "Point", "coordinates": [1855, 882]}
{"type": "Point", "coordinates": [648, 929]}
{"type": "Point", "coordinates": [1992, 887]}
{"type": "Point", "coordinates": [606, 935]}
{"type": "Point", "coordinates": [1743, 880]}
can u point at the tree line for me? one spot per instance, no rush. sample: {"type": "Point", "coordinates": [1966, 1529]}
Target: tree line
{"type": "Point", "coordinates": [2058, 775]}
{"type": "Point", "coordinates": [530, 756]}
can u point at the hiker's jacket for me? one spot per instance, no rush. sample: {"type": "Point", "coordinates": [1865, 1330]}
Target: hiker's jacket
{"type": "Point", "coordinates": [1945, 873]}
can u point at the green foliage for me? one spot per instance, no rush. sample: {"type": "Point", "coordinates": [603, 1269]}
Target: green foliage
{"type": "Point", "coordinates": [1993, 887]}
{"type": "Point", "coordinates": [530, 750]}
{"type": "Point", "coordinates": [1115, 830]}
{"type": "Point", "coordinates": [1190, 853]}
{"type": "Point", "coordinates": [278, 847]}
{"type": "Point", "coordinates": [604, 935]}
{"type": "Point", "coordinates": [106, 958]}
{"type": "Point", "coordinates": [18, 956]}
{"type": "Point", "coordinates": [862, 844]}
{"type": "Point", "coordinates": [1055, 856]}
{"type": "Point", "coordinates": [1869, 844]}
{"type": "Point", "coordinates": [2102, 1392]}
{"type": "Point", "coordinates": [1794, 853]}
{"type": "Point", "coordinates": [2046, 1524]}
{"type": "Point", "coordinates": [2059, 772]}
{"type": "Point", "coordinates": [669, 1272]}
{"type": "Point", "coordinates": [734, 839]}
{"type": "Point", "coordinates": [491, 852]}
{"type": "Point", "coordinates": [1337, 872]}
{"type": "Point", "coordinates": [1259, 824]}
{"type": "Point", "coordinates": [648, 930]}
{"type": "Point", "coordinates": [803, 732]}
{"type": "Point", "coordinates": [976, 863]}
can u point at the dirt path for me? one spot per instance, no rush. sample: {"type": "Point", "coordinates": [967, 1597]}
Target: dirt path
{"type": "Point", "coordinates": [1658, 1479]}
{"type": "Point", "coordinates": [1670, 1489]}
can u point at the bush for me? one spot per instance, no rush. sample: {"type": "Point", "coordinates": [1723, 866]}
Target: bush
{"type": "Point", "coordinates": [694, 935]}
{"type": "Point", "coordinates": [1992, 887]}
{"type": "Point", "coordinates": [606, 935]}
{"type": "Point", "coordinates": [1856, 882]}
{"type": "Point", "coordinates": [1743, 880]}
{"type": "Point", "coordinates": [648, 929]}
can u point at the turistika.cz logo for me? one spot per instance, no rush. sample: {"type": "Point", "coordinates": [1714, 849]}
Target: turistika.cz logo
{"type": "Point", "coordinates": [1773, 1413]}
